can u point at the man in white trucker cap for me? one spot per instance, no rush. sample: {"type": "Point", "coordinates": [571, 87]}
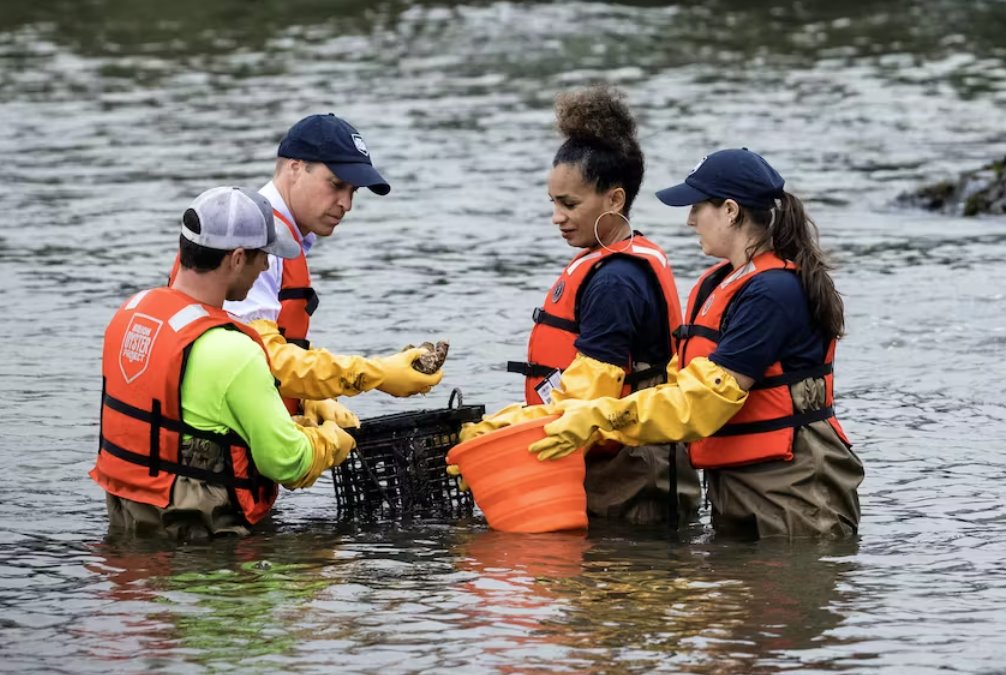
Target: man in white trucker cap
{"type": "Point", "coordinates": [194, 436]}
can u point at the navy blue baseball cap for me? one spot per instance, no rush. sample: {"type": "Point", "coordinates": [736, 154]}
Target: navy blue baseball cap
{"type": "Point", "coordinates": [338, 145]}
{"type": "Point", "coordinates": [737, 174]}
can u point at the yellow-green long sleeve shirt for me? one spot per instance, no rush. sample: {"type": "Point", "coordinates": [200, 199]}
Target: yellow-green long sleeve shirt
{"type": "Point", "coordinates": [227, 386]}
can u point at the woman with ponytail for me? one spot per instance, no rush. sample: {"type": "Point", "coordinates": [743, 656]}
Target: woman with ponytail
{"type": "Point", "coordinates": [754, 392]}
{"type": "Point", "coordinates": [606, 325]}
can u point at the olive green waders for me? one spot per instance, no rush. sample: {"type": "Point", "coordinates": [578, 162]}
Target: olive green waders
{"type": "Point", "coordinates": [634, 484]}
{"type": "Point", "coordinates": [198, 510]}
{"type": "Point", "coordinates": [814, 495]}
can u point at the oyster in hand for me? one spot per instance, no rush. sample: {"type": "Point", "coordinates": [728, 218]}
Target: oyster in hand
{"type": "Point", "coordinates": [433, 359]}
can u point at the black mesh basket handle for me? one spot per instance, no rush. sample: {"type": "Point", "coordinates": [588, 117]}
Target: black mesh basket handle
{"type": "Point", "coordinates": [455, 397]}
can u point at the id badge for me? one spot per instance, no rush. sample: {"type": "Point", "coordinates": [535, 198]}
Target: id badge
{"type": "Point", "coordinates": [545, 387]}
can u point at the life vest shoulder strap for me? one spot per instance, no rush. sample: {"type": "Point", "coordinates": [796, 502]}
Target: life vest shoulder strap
{"type": "Point", "coordinates": [793, 376]}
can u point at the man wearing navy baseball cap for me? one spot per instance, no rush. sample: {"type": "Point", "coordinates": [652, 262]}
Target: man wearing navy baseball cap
{"type": "Point", "coordinates": [321, 163]}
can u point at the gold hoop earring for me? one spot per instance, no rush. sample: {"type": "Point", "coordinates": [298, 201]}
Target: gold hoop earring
{"type": "Point", "coordinates": [597, 221]}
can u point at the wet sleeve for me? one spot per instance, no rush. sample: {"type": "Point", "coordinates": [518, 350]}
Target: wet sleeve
{"type": "Point", "coordinates": [240, 394]}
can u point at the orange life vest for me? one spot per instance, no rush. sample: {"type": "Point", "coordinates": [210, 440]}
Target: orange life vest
{"type": "Point", "coordinates": [764, 428]}
{"type": "Point", "coordinates": [143, 362]}
{"type": "Point", "coordinates": [551, 346]}
{"type": "Point", "coordinates": [297, 301]}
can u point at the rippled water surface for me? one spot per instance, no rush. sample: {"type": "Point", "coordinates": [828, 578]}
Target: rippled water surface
{"type": "Point", "coordinates": [116, 114]}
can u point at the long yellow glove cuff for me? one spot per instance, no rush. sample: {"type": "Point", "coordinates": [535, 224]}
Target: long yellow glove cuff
{"type": "Point", "coordinates": [508, 416]}
{"type": "Point", "coordinates": [702, 400]}
{"type": "Point", "coordinates": [330, 445]}
{"type": "Point", "coordinates": [588, 378]}
{"type": "Point", "coordinates": [320, 374]}
{"type": "Point", "coordinates": [672, 370]}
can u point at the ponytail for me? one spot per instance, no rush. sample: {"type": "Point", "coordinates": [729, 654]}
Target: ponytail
{"type": "Point", "coordinates": [792, 235]}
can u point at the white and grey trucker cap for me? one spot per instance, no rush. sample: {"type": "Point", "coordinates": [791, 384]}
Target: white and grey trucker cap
{"type": "Point", "coordinates": [227, 218]}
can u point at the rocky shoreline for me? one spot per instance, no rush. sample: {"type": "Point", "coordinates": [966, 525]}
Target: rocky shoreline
{"type": "Point", "coordinates": [973, 193]}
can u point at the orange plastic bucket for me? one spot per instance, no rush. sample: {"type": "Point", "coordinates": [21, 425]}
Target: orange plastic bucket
{"type": "Point", "coordinates": [516, 491]}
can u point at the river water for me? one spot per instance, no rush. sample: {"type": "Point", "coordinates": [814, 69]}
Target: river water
{"type": "Point", "coordinates": [115, 115]}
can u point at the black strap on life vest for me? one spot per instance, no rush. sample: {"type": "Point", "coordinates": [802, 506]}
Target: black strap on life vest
{"type": "Point", "coordinates": [690, 330]}
{"type": "Point", "coordinates": [637, 376]}
{"type": "Point", "coordinates": [224, 479]}
{"type": "Point", "coordinates": [301, 293]}
{"type": "Point", "coordinates": [794, 376]}
{"type": "Point", "coordinates": [528, 369]}
{"type": "Point", "coordinates": [155, 463]}
{"type": "Point", "coordinates": [541, 316]}
{"type": "Point", "coordinates": [170, 424]}
{"type": "Point", "coordinates": [155, 438]}
{"type": "Point", "coordinates": [798, 420]}
{"type": "Point", "coordinates": [303, 343]}
{"type": "Point", "coordinates": [101, 418]}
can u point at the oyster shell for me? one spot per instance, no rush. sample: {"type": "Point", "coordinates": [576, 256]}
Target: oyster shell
{"type": "Point", "coordinates": [433, 359]}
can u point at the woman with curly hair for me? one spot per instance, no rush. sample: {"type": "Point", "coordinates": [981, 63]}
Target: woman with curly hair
{"type": "Point", "coordinates": [606, 325]}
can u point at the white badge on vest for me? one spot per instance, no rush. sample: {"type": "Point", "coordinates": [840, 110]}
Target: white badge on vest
{"type": "Point", "coordinates": [545, 387]}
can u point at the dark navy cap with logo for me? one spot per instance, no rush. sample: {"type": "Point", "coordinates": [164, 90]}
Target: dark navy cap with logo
{"type": "Point", "coordinates": [737, 174]}
{"type": "Point", "coordinates": [338, 145]}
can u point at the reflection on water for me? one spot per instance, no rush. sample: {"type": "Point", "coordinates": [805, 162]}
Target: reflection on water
{"type": "Point", "coordinates": [118, 113]}
{"type": "Point", "coordinates": [706, 608]}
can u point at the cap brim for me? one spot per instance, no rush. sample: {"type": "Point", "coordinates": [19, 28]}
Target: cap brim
{"type": "Point", "coordinates": [361, 175]}
{"type": "Point", "coordinates": [284, 246]}
{"type": "Point", "coordinates": [681, 195]}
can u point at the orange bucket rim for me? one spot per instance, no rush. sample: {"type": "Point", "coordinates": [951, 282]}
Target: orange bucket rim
{"type": "Point", "coordinates": [495, 436]}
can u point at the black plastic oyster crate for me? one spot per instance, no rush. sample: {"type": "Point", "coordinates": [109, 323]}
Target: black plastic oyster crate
{"type": "Point", "coordinates": [398, 470]}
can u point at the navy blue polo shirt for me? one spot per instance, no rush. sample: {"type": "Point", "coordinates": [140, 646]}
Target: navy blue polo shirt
{"type": "Point", "coordinates": [622, 313]}
{"type": "Point", "coordinates": [768, 321]}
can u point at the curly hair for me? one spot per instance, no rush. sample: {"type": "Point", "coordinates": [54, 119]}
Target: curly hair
{"type": "Point", "coordinates": [601, 139]}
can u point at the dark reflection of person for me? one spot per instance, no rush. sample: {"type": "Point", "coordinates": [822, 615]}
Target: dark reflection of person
{"type": "Point", "coordinates": [710, 607]}
{"type": "Point", "coordinates": [720, 607]}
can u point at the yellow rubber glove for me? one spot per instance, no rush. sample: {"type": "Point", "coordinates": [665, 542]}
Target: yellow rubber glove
{"type": "Point", "coordinates": [331, 446]}
{"type": "Point", "coordinates": [672, 371]}
{"type": "Point", "coordinates": [330, 409]}
{"type": "Point", "coordinates": [703, 399]}
{"type": "Point", "coordinates": [588, 378]}
{"type": "Point", "coordinates": [508, 416]}
{"type": "Point", "coordinates": [320, 374]}
{"type": "Point", "coordinates": [455, 470]}
{"type": "Point", "coordinates": [585, 378]}
{"type": "Point", "coordinates": [505, 417]}
{"type": "Point", "coordinates": [396, 375]}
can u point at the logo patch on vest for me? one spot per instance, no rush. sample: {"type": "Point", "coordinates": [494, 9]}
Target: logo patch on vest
{"type": "Point", "coordinates": [706, 305]}
{"type": "Point", "coordinates": [137, 345]}
{"type": "Point", "coordinates": [557, 290]}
